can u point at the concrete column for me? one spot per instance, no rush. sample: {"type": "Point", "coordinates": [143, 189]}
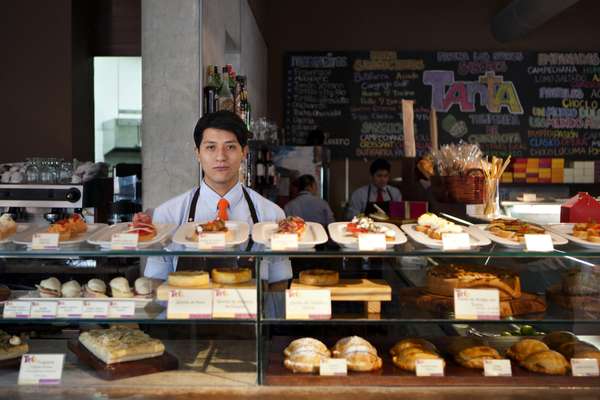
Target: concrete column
{"type": "Point", "coordinates": [171, 96]}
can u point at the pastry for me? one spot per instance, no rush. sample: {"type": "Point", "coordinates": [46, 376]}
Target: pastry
{"type": "Point", "coordinates": [513, 229]}
{"type": "Point", "coordinates": [443, 279]}
{"type": "Point", "coordinates": [360, 355]}
{"type": "Point", "coordinates": [230, 275]}
{"type": "Point", "coordinates": [207, 228]}
{"type": "Point", "coordinates": [142, 225]}
{"type": "Point", "coordinates": [546, 362]}
{"type": "Point", "coordinates": [304, 343]}
{"type": "Point", "coordinates": [94, 288]}
{"type": "Point", "coordinates": [305, 355]}
{"type": "Point", "coordinates": [63, 231]}
{"type": "Point", "coordinates": [188, 279]}
{"type": "Point", "coordinates": [71, 289]}
{"type": "Point", "coordinates": [119, 287]}
{"type": "Point", "coordinates": [407, 358]}
{"type": "Point", "coordinates": [7, 226]}
{"type": "Point", "coordinates": [589, 231]}
{"type": "Point", "coordinates": [121, 344]}
{"type": "Point", "coordinates": [412, 343]}
{"type": "Point", "coordinates": [570, 348]}
{"type": "Point", "coordinates": [473, 357]}
{"type": "Point", "coordinates": [524, 348]}
{"type": "Point", "coordinates": [361, 224]}
{"type": "Point", "coordinates": [49, 287]}
{"type": "Point", "coordinates": [319, 277]}
{"type": "Point", "coordinates": [69, 227]}
{"type": "Point", "coordinates": [292, 224]}
{"type": "Point", "coordinates": [434, 226]}
{"type": "Point", "coordinates": [143, 288]}
{"type": "Point", "coordinates": [555, 339]}
{"type": "Point", "coordinates": [11, 346]}
{"type": "Point", "coordinates": [354, 343]}
{"type": "Point", "coordinates": [76, 224]}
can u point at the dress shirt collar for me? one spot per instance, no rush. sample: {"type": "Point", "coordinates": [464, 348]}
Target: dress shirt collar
{"type": "Point", "coordinates": [210, 197]}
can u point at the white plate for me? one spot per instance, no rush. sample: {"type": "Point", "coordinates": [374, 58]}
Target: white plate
{"type": "Point", "coordinates": [240, 231]}
{"type": "Point", "coordinates": [103, 237]}
{"type": "Point", "coordinates": [20, 229]}
{"type": "Point", "coordinates": [314, 234]}
{"type": "Point", "coordinates": [566, 230]}
{"type": "Point", "coordinates": [476, 237]}
{"type": "Point", "coordinates": [337, 231]}
{"type": "Point", "coordinates": [27, 236]}
{"type": "Point", "coordinates": [556, 239]}
{"type": "Point", "coordinates": [33, 295]}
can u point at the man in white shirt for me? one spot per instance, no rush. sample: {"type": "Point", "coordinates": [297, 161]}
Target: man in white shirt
{"type": "Point", "coordinates": [378, 192]}
{"type": "Point", "coordinates": [221, 145]}
{"type": "Point", "coordinates": [308, 205]}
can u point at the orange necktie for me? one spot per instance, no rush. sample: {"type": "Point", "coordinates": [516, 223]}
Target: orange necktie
{"type": "Point", "coordinates": [222, 213]}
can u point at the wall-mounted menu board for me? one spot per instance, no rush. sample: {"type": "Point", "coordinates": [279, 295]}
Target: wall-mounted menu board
{"type": "Point", "coordinates": [521, 103]}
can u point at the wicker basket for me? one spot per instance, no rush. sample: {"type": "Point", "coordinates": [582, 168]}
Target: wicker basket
{"type": "Point", "coordinates": [468, 188]}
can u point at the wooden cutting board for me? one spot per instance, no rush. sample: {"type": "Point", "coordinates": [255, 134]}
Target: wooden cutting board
{"type": "Point", "coordinates": [162, 292]}
{"type": "Point", "coordinates": [353, 289]}
{"type": "Point", "coordinates": [127, 369]}
{"type": "Point", "coordinates": [526, 304]}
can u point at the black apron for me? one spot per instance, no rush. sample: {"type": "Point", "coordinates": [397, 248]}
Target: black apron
{"type": "Point", "coordinates": [384, 205]}
{"type": "Point", "coordinates": [203, 263]}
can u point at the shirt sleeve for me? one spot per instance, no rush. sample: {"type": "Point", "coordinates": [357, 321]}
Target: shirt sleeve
{"type": "Point", "coordinates": [396, 194]}
{"type": "Point", "coordinates": [357, 203]}
{"type": "Point", "coordinates": [328, 213]}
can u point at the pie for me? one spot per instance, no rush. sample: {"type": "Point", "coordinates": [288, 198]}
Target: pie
{"type": "Point", "coordinates": [319, 277]}
{"type": "Point", "coordinates": [360, 355]}
{"type": "Point", "coordinates": [11, 346]}
{"type": "Point", "coordinates": [142, 225]}
{"type": "Point", "coordinates": [473, 357]}
{"type": "Point", "coordinates": [407, 358]}
{"type": "Point", "coordinates": [434, 226]}
{"type": "Point", "coordinates": [292, 224]}
{"type": "Point", "coordinates": [412, 343]}
{"type": "Point", "coordinates": [230, 275]}
{"type": "Point", "coordinates": [443, 279]}
{"type": "Point", "coordinates": [589, 231]}
{"type": "Point", "coordinates": [546, 362]}
{"type": "Point", "coordinates": [555, 339]}
{"type": "Point", "coordinates": [305, 355]}
{"type": "Point", "coordinates": [513, 229]}
{"type": "Point", "coordinates": [188, 279]}
{"type": "Point", "coordinates": [524, 348]}
{"type": "Point", "coordinates": [121, 344]}
{"type": "Point", "coordinates": [210, 227]}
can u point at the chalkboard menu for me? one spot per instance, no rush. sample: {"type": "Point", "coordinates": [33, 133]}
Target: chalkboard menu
{"type": "Point", "coordinates": [520, 103]}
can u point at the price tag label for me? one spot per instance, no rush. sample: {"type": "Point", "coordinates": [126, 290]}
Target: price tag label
{"type": "Point", "coordinates": [234, 303]}
{"type": "Point", "coordinates": [43, 309]}
{"type": "Point", "coordinates": [497, 368]}
{"type": "Point", "coordinates": [584, 367]}
{"type": "Point", "coordinates": [456, 241]}
{"type": "Point", "coordinates": [371, 241]}
{"type": "Point", "coordinates": [44, 241]}
{"type": "Point", "coordinates": [17, 309]}
{"type": "Point", "coordinates": [529, 197]}
{"type": "Point", "coordinates": [121, 309]}
{"type": "Point", "coordinates": [308, 304]}
{"type": "Point", "coordinates": [434, 367]}
{"type": "Point", "coordinates": [124, 241]}
{"type": "Point", "coordinates": [539, 243]}
{"type": "Point", "coordinates": [70, 309]}
{"type": "Point", "coordinates": [41, 369]}
{"type": "Point", "coordinates": [95, 309]}
{"type": "Point", "coordinates": [211, 241]}
{"type": "Point", "coordinates": [477, 304]}
{"type": "Point", "coordinates": [284, 241]}
{"type": "Point", "coordinates": [190, 304]}
{"type": "Point", "coordinates": [333, 367]}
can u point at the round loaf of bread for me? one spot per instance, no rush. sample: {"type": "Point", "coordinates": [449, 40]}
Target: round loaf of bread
{"type": "Point", "coordinates": [319, 277]}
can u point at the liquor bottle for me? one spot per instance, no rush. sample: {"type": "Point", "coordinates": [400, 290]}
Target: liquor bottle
{"type": "Point", "coordinates": [225, 95]}
{"type": "Point", "coordinates": [261, 169]}
{"type": "Point", "coordinates": [210, 95]}
{"type": "Point", "coordinates": [242, 100]}
{"type": "Point", "coordinates": [270, 168]}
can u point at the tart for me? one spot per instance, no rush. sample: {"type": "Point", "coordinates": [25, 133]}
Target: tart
{"type": "Point", "coordinates": [188, 279]}
{"type": "Point", "coordinates": [319, 277]}
{"type": "Point", "coordinates": [230, 275]}
{"type": "Point", "coordinates": [117, 345]}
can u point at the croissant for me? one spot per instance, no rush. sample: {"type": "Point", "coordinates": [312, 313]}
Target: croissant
{"type": "Point", "coordinates": [409, 343]}
{"type": "Point", "coordinates": [407, 358]}
{"type": "Point", "coordinates": [547, 362]}
{"type": "Point", "coordinates": [555, 339]}
{"type": "Point", "coordinates": [524, 348]}
{"type": "Point", "coordinates": [306, 342]}
{"type": "Point", "coordinates": [473, 357]}
{"type": "Point", "coordinates": [305, 362]}
{"type": "Point", "coordinates": [570, 348]}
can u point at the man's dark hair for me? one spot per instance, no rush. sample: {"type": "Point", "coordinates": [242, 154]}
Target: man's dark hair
{"type": "Point", "coordinates": [379, 164]}
{"type": "Point", "coordinates": [305, 181]}
{"type": "Point", "coordinates": [225, 120]}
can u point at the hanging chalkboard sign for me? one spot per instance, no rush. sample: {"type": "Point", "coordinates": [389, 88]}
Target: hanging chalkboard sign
{"type": "Point", "coordinates": [520, 103]}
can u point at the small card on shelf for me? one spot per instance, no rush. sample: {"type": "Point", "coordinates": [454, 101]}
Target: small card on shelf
{"type": "Point", "coordinates": [539, 243]}
{"type": "Point", "coordinates": [43, 309]}
{"type": "Point", "coordinates": [17, 309]}
{"type": "Point", "coordinates": [190, 304]}
{"type": "Point", "coordinates": [333, 367]}
{"type": "Point", "coordinates": [212, 241]}
{"type": "Point", "coordinates": [371, 241]}
{"type": "Point", "coordinates": [95, 309]}
{"type": "Point", "coordinates": [308, 304]}
{"type": "Point", "coordinates": [124, 241]}
{"type": "Point", "coordinates": [41, 369]}
{"type": "Point", "coordinates": [433, 367]}
{"type": "Point", "coordinates": [497, 368]}
{"type": "Point", "coordinates": [234, 303]}
{"type": "Point", "coordinates": [284, 241]}
{"type": "Point", "coordinates": [584, 367]}
{"type": "Point", "coordinates": [44, 241]}
{"type": "Point", "coordinates": [477, 304]}
{"type": "Point", "coordinates": [456, 241]}
{"type": "Point", "coordinates": [69, 309]}
{"type": "Point", "coordinates": [121, 309]}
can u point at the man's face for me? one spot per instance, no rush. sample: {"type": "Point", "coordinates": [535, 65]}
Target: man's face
{"type": "Point", "coordinates": [381, 178]}
{"type": "Point", "coordinates": [220, 155]}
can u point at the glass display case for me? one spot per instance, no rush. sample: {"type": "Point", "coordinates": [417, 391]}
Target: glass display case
{"type": "Point", "coordinates": [407, 291]}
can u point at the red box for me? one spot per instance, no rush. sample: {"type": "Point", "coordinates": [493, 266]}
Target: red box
{"type": "Point", "coordinates": [580, 208]}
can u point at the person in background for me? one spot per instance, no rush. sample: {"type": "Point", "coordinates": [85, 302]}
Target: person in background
{"type": "Point", "coordinates": [308, 205]}
{"type": "Point", "coordinates": [378, 192]}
